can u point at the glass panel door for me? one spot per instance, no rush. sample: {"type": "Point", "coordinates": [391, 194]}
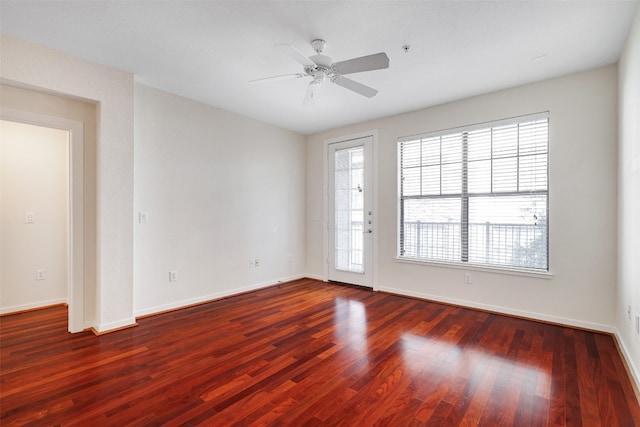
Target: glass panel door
{"type": "Point", "coordinates": [350, 215]}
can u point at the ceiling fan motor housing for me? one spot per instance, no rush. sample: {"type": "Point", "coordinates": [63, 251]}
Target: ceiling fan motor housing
{"type": "Point", "coordinates": [322, 69]}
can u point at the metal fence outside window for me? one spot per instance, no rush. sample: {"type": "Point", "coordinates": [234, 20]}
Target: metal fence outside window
{"type": "Point", "coordinates": [512, 245]}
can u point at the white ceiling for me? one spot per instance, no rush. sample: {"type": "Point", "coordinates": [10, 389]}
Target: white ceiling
{"type": "Point", "coordinates": [209, 50]}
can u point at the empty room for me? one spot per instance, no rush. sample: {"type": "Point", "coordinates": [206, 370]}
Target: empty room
{"type": "Point", "coordinates": [350, 213]}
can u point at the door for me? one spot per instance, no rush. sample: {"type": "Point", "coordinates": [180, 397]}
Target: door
{"type": "Point", "coordinates": [350, 212]}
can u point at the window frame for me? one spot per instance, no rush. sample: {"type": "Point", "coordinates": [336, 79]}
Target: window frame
{"type": "Point", "coordinates": [464, 197]}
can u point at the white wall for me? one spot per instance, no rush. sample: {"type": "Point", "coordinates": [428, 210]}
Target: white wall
{"type": "Point", "coordinates": [33, 178]}
{"type": "Point", "coordinates": [583, 159]}
{"type": "Point", "coordinates": [220, 189]}
{"type": "Point", "coordinates": [24, 63]}
{"type": "Point", "coordinates": [629, 199]}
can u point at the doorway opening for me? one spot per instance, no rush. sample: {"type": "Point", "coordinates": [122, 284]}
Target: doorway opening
{"type": "Point", "coordinates": [41, 258]}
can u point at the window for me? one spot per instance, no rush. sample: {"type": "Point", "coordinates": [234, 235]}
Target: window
{"type": "Point", "coordinates": [477, 195]}
{"type": "Point", "coordinates": [349, 209]}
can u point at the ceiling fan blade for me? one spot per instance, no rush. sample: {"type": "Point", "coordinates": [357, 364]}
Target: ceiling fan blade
{"type": "Point", "coordinates": [294, 53]}
{"type": "Point", "coordinates": [377, 61]}
{"type": "Point", "coordinates": [363, 90]}
{"type": "Point", "coordinates": [313, 90]}
{"type": "Point", "coordinates": [280, 77]}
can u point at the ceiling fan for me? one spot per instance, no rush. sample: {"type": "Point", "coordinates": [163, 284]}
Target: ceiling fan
{"type": "Point", "coordinates": [320, 67]}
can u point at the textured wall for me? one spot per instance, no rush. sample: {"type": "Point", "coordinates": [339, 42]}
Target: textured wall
{"type": "Point", "coordinates": [629, 199]}
{"type": "Point", "coordinates": [220, 189]}
{"type": "Point", "coordinates": [583, 213]}
{"type": "Point", "coordinates": [24, 63]}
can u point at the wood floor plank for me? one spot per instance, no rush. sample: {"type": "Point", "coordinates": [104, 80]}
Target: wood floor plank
{"type": "Point", "coordinates": [312, 353]}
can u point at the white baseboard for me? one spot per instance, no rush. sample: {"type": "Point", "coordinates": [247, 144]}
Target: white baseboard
{"type": "Point", "coordinates": [503, 310]}
{"type": "Point", "coordinates": [634, 369]}
{"type": "Point", "coordinates": [314, 276]}
{"type": "Point", "coordinates": [291, 278]}
{"type": "Point", "coordinates": [114, 326]}
{"type": "Point", "coordinates": [211, 297]}
{"type": "Point", "coordinates": [32, 305]}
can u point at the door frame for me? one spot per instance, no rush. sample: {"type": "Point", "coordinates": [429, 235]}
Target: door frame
{"type": "Point", "coordinates": [75, 213]}
{"type": "Point", "coordinates": [374, 201]}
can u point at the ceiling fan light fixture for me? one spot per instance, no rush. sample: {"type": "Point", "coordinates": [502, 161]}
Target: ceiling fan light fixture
{"type": "Point", "coordinates": [318, 77]}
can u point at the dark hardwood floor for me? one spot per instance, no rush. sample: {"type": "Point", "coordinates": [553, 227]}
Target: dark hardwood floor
{"type": "Point", "coordinates": [312, 353]}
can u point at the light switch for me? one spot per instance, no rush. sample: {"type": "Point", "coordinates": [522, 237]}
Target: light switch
{"type": "Point", "coordinates": [30, 217]}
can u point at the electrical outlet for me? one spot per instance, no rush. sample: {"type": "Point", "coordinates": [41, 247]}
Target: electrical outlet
{"type": "Point", "coordinates": [256, 262]}
{"type": "Point", "coordinates": [40, 274]}
{"type": "Point", "coordinates": [143, 217]}
{"type": "Point", "coordinates": [30, 218]}
{"type": "Point", "coordinates": [173, 276]}
{"type": "Point", "coordinates": [467, 278]}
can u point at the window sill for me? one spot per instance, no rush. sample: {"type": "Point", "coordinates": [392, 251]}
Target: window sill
{"type": "Point", "coordinates": [547, 275]}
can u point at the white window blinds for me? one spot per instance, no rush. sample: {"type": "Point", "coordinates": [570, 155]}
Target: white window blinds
{"type": "Point", "coordinates": [477, 195]}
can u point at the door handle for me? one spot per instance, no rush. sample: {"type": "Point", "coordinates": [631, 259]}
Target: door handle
{"type": "Point", "coordinates": [368, 231]}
